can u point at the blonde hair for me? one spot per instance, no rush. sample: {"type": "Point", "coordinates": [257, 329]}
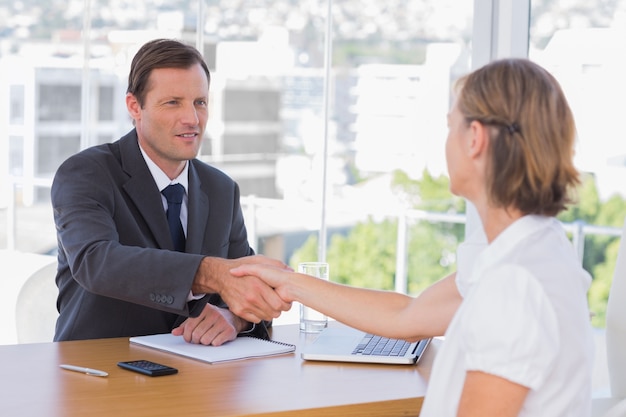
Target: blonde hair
{"type": "Point", "coordinates": [532, 134]}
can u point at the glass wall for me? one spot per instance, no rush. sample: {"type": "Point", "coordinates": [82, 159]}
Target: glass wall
{"type": "Point", "coordinates": [329, 114]}
{"type": "Point", "coordinates": [316, 105]}
{"type": "Point", "coordinates": [582, 43]}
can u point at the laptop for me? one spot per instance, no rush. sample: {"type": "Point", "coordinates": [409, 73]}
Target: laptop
{"type": "Point", "coordinates": [346, 344]}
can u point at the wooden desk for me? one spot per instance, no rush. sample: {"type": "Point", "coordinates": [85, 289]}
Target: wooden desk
{"type": "Point", "coordinates": [32, 384]}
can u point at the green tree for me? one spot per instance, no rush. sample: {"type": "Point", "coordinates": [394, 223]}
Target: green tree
{"type": "Point", "coordinates": [600, 250]}
{"type": "Point", "coordinates": [601, 284]}
{"type": "Point", "coordinates": [427, 193]}
{"type": "Point", "coordinates": [601, 254]}
{"type": "Point", "coordinates": [366, 256]}
{"type": "Point", "coordinates": [432, 246]}
{"type": "Point", "coordinates": [432, 254]}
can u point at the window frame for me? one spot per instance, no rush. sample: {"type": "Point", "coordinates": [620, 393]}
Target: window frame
{"type": "Point", "coordinates": [500, 29]}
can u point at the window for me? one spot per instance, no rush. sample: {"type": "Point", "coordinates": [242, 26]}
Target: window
{"type": "Point", "coordinates": [325, 124]}
{"type": "Point", "coordinates": [582, 44]}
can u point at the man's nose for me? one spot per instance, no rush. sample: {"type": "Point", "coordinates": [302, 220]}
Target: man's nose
{"type": "Point", "coordinates": [190, 115]}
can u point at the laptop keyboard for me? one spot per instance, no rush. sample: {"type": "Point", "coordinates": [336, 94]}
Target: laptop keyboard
{"type": "Point", "coordinates": [381, 346]}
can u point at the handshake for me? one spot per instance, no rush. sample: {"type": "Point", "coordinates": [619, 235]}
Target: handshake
{"type": "Point", "coordinates": [290, 286]}
{"type": "Point", "coordinates": [254, 287]}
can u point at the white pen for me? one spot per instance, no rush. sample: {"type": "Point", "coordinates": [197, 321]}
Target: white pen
{"type": "Point", "coordinates": [88, 371]}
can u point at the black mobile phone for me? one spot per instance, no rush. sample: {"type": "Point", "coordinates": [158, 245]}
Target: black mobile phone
{"type": "Point", "coordinates": [147, 367]}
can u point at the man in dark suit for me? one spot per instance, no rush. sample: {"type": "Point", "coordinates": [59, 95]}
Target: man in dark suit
{"type": "Point", "coordinates": [119, 271]}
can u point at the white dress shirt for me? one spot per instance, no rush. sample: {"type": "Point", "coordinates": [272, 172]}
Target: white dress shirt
{"type": "Point", "coordinates": [162, 181]}
{"type": "Point", "coordinates": [525, 318]}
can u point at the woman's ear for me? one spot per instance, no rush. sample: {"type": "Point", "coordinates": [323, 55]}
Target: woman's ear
{"type": "Point", "coordinates": [479, 139]}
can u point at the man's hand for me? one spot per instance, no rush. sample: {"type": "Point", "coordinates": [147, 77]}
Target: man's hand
{"type": "Point", "coordinates": [280, 279]}
{"type": "Point", "coordinates": [214, 326]}
{"type": "Point", "coordinates": [248, 297]}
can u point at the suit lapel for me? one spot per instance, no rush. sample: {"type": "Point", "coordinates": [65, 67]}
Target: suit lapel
{"type": "Point", "coordinates": [143, 190]}
{"type": "Point", "coordinates": [198, 212]}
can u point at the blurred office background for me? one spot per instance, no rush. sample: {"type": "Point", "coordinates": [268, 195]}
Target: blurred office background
{"type": "Point", "coordinates": [331, 115]}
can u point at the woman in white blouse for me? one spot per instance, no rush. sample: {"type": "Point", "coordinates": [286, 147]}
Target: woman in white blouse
{"type": "Point", "coordinates": [518, 339]}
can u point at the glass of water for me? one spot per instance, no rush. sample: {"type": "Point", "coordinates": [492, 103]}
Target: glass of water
{"type": "Point", "coordinates": [312, 321]}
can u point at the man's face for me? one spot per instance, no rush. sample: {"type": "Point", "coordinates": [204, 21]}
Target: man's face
{"type": "Point", "coordinates": [171, 124]}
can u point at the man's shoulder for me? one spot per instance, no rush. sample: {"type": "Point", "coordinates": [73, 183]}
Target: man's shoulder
{"type": "Point", "coordinates": [206, 171]}
{"type": "Point", "coordinates": [106, 150]}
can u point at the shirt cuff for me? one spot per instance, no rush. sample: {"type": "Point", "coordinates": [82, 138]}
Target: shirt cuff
{"type": "Point", "coordinates": [250, 330]}
{"type": "Point", "coordinates": [193, 297]}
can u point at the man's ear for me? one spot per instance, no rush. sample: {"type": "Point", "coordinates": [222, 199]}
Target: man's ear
{"type": "Point", "coordinates": [479, 139]}
{"type": "Point", "coordinates": [134, 109]}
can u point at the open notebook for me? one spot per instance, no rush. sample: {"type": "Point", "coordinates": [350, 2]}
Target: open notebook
{"type": "Point", "coordinates": [243, 347]}
{"type": "Point", "coordinates": [346, 344]}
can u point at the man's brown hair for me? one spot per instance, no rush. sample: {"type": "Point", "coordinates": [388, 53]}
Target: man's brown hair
{"type": "Point", "coordinates": [160, 53]}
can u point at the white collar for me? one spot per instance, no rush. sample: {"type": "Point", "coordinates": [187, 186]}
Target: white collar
{"type": "Point", "coordinates": [507, 241]}
{"type": "Point", "coordinates": [161, 179]}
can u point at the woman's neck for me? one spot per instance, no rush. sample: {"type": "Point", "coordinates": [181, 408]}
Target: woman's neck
{"type": "Point", "coordinates": [496, 219]}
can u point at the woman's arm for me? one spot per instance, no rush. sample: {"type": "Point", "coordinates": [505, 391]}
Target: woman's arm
{"type": "Point", "coordinates": [489, 395]}
{"type": "Point", "coordinates": [385, 313]}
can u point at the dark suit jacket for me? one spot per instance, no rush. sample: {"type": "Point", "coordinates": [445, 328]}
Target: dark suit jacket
{"type": "Point", "coordinates": [118, 274]}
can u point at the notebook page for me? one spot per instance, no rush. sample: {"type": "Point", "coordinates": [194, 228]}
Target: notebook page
{"type": "Point", "coordinates": [241, 348]}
